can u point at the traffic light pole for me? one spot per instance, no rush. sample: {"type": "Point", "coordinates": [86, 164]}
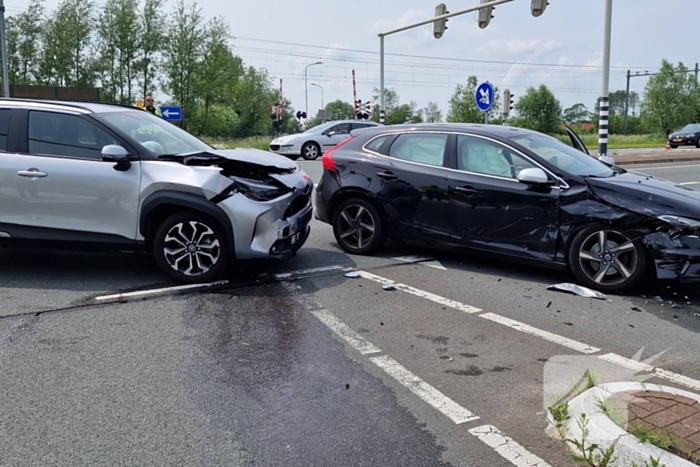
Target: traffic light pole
{"type": "Point", "coordinates": [415, 25]}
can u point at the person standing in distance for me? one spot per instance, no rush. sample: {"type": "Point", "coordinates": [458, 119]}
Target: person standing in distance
{"type": "Point", "coordinates": [149, 106]}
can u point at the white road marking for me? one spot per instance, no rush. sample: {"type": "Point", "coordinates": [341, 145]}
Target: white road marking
{"type": "Point", "coordinates": [358, 342]}
{"type": "Point", "coordinates": [506, 447]}
{"type": "Point", "coordinates": [164, 290]}
{"type": "Point", "coordinates": [285, 275]}
{"type": "Point", "coordinates": [565, 341]}
{"type": "Point", "coordinates": [663, 168]}
{"type": "Point", "coordinates": [430, 262]}
{"type": "Point", "coordinates": [679, 379]}
{"type": "Point", "coordinates": [422, 293]}
{"type": "Point", "coordinates": [689, 183]}
{"type": "Point", "coordinates": [426, 392]}
{"type": "Point", "coordinates": [660, 372]}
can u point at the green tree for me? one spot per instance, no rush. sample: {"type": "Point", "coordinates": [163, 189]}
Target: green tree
{"type": "Point", "coordinates": [183, 57]}
{"type": "Point", "coordinates": [24, 35]}
{"type": "Point", "coordinates": [68, 38]}
{"type": "Point", "coordinates": [252, 96]}
{"type": "Point", "coordinates": [119, 43]}
{"type": "Point", "coordinates": [670, 99]}
{"type": "Point", "coordinates": [395, 112]}
{"type": "Point", "coordinates": [577, 113]}
{"type": "Point", "coordinates": [539, 110]}
{"type": "Point", "coordinates": [463, 108]}
{"type": "Point", "coordinates": [220, 69]}
{"type": "Point", "coordinates": [152, 43]}
{"type": "Point", "coordinates": [341, 110]}
{"type": "Point", "coordinates": [432, 113]}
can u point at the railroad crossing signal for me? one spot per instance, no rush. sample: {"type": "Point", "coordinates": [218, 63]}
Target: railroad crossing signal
{"type": "Point", "coordinates": [363, 109]}
{"type": "Point", "coordinates": [439, 26]}
{"type": "Point", "coordinates": [300, 114]}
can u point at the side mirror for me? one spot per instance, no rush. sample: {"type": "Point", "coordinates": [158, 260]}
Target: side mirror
{"type": "Point", "coordinates": [534, 176]}
{"type": "Point", "coordinates": [331, 133]}
{"type": "Point", "coordinates": [117, 154]}
{"type": "Point", "coordinates": [607, 160]}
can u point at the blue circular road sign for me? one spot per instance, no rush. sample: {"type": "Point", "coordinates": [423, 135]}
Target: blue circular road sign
{"type": "Point", "coordinates": [484, 96]}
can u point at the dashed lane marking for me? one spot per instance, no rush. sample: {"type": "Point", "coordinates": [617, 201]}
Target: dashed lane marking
{"type": "Point", "coordinates": [355, 340]}
{"type": "Point", "coordinates": [659, 372]}
{"type": "Point", "coordinates": [506, 447]}
{"type": "Point", "coordinates": [164, 290]}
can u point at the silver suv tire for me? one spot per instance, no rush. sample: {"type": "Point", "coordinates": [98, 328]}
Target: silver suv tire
{"type": "Point", "coordinates": [191, 248]}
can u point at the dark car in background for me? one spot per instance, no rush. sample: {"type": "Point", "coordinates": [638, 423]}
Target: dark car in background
{"type": "Point", "coordinates": [511, 193]}
{"type": "Point", "coordinates": [689, 135]}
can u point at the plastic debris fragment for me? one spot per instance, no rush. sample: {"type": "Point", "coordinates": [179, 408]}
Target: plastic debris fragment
{"type": "Point", "coordinates": [578, 290]}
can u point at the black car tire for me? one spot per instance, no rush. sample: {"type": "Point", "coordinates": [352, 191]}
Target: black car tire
{"type": "Point", "coordinates": [204, 254]}
{"type": "Point", "coordinates": [361, 236]}
{"type": "Point", "coordinates": [623, 257]}
{"type": "Point", "coordinates": [310, 151]}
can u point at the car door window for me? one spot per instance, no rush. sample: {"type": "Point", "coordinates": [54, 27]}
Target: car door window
{"type": "Point", "coordinates": [4, 124]}
{"type": "Point", "coordinates": [343, 128]}
{"type": "Point", "coordinates": [428, 148]}
{"type": "Point", "coordinates": [357, 126]}
{"type": "Point", "coordinates": [377, 143]}
{"type": "Point", "coordinates": [64, 135]}
{"type": "Point", "coordinates": [485, 157]}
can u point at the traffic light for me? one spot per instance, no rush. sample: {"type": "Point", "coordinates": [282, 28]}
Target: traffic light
{"type": "Point", "coordinates": [538, 6]}
{"type": "Point", "coordinates": [507, 102]}
{"type": "Point", "coordinates": [439, 26]}
{"type": "Point", "coordinates": [485, 15]}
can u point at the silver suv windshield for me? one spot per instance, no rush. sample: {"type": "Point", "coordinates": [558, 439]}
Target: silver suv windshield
{"type": "Point", "coordinates": [154, 134]}
{"type": "Point", "coordinates": [563, 156]}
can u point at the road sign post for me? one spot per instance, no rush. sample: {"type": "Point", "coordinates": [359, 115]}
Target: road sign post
{"type": "Point", "coordinates": [172, 114]}
{"type": "Point", "coordinates": [484, 97]}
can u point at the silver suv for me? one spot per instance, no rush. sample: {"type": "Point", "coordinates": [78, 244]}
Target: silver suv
{"type": "Point", "coordinates": [114, 177]}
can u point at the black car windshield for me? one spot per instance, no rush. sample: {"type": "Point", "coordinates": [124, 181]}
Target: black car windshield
{"type": "Point", "coordinates": [154, 134]}
{"type": "Point", "coordinates": [692, 128]}
{"type": "Point", "coordinates": [563, 156]}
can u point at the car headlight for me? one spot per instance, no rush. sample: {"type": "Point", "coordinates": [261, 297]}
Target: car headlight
{"type": "Point", "coordinates": [257, 190]}
{"type": "Point", "coordinates": [681, 222]}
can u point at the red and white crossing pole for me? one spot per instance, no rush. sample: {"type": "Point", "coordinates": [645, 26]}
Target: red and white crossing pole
{"type": "Point", "coordinates": [354, 94]}
{"type": "Point", "coordinates": [281, 111]}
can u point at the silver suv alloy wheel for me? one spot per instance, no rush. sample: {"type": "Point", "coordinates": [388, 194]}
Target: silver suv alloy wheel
{"type": "Point", "coordinates": [191, 248]}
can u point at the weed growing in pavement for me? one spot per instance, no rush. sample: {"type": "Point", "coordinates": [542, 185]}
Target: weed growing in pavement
{"type": "Point", "coordinates": [560, 413]}
{"type": "Point", "coordinates": [654, 463]}
{"type": "Point", "coordinates": [609, 409]}
{"type": "Point", "coordinates": [644, 434]}
{"type": "Point", "coordinates": [592, 455]}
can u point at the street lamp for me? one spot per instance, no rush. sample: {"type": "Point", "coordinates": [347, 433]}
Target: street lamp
{"type": "Point", "coordinates": [321, 87]}
{"type": "Point", "coordinates": [306, 87]}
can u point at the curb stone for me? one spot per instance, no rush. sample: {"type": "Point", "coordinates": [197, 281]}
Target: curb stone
{"type": "Point", "coordinates": [606, 433]}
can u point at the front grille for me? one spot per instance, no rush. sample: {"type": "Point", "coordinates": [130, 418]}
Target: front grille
{"type": "Point", "coordinates": [274, 147]}
{"type": "Point", "coordinates": [298, 205]}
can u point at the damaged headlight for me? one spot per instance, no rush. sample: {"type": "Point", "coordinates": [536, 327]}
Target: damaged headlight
{"type": "Point", "coordinates": [257, 190]}
{"type": "Point", "coordinates": [681, 222]}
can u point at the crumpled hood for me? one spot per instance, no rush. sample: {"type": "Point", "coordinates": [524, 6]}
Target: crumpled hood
{"type": "Point", "coordinates": [647, 195]}
{"type": "Point", "coordinates": [256, 156]}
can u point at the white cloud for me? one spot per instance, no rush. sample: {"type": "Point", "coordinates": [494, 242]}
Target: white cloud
{"type": "Point", "coordinates": [524, 48]}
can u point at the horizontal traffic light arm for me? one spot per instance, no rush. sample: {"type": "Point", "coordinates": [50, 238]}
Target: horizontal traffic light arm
{"type": "Point", "coordinates": [449, 15]}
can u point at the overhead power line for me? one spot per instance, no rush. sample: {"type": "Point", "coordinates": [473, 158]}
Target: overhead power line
{"type": "Point", "coordinates": [466, 60]}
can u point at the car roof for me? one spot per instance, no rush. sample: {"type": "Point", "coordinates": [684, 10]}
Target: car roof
{"type": "Point", "coordinates": [76, 106]}
{"type": "Point", "coordinates": [476, 128]}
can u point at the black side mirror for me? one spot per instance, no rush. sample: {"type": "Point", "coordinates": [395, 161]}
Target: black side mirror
{"type": "Point", "coordinates": [117, 154]}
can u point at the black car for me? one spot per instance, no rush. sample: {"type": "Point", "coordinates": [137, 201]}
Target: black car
{"type": "Point", "coordinates": [689, 135]}
{"type": "Point", "coordinates": [510, 192]}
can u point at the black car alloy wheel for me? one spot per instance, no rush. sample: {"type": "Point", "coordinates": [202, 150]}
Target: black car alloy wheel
{"type": "Point", "coordinates": [607, 259]}
{"type": "Point", "coordinates": [191, 248]}
{"type": "Point", "coordinates": [358, 227]}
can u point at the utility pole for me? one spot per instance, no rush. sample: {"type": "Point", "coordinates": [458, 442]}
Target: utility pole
{"type": "Point", "coordinates": [627, 99]}
{"type": "Point", "coordinates": [3, 46]}
{"type": "Point", "coordinates": [605, 97]}
{"type": "Point", "coordinates": [696, 71]}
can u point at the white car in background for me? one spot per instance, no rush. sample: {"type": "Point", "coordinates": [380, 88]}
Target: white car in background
{"type": "Point", "coordinates": [315, 141]}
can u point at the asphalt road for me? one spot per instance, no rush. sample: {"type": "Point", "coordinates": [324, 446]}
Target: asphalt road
{"type": "Point", "coordinates": [303, 366]}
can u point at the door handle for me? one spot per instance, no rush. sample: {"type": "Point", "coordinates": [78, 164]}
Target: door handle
{"type": "Point", "coordinates": [387, 175]}
{"type": "Point", "coordinates": [466, 189]}
{"type": "Point", "coordinates": [31, 173]}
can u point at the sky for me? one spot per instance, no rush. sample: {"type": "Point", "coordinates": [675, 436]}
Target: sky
{"type": "Point", "coordinates": [562, 49]}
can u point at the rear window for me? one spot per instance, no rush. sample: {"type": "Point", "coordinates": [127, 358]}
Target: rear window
{"type": "Point", "coordinates": [376, 144]}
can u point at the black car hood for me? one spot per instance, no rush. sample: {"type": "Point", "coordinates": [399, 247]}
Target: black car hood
{"type": "Point", "coordinates": [647, 195]}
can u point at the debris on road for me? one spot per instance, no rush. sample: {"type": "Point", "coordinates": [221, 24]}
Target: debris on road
{"type": "Point", "coordinates": [388, 286]}
{"type": "Point", "coordinates": [634, 308]}
{"type": "Point", "coordinates": [352, 274]}
{"type": "Point", "coordinates": [578, 290]}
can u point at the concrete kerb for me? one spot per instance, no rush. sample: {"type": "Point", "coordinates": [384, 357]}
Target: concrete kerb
{"type": "Point", "coordinates": [605, 433]}
{"type": "Point", "coordinates": [620, 161]}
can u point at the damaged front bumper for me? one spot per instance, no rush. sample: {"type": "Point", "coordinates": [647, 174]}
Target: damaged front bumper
{"type": "Point", "coordinates": [676, 256]}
